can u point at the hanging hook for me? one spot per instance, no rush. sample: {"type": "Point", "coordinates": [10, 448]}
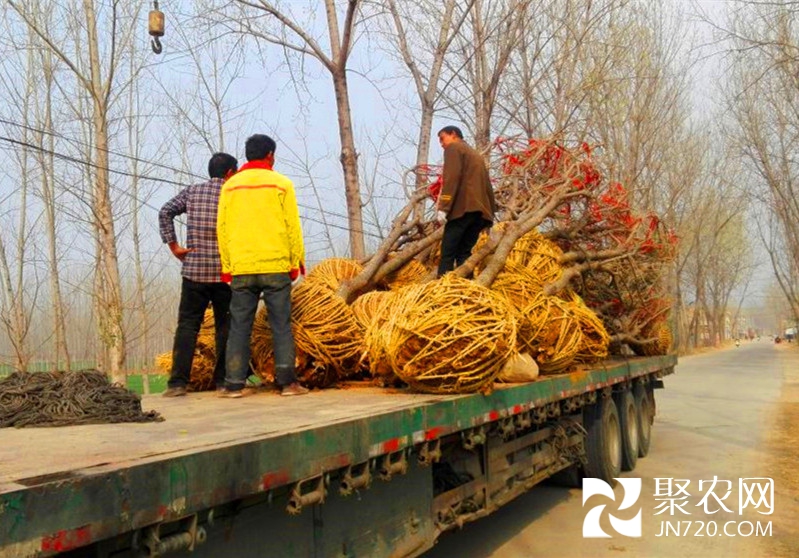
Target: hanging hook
{"type": "Point", "coordinates": [156, 27]}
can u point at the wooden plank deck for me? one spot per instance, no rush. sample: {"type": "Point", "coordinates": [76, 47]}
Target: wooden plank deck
{"type": "Point", "coordinates": [197, 422]}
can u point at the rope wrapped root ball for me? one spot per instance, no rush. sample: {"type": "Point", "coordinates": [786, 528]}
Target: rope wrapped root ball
{"type": "Point", "coordinates": [334, 271]}
{"type": "Point", "coordinates": [595, 339]}
{"type": "Point", "coordinates": [544, 261]}
{"type": "Point", "coordinates": [661, 332]}
{"type": "Point", "coordinates": [555, 337]}
{"type": "Point", "coordinates": [450, 336]}
{"type": "Point", "coordinates": [522, 249]}
{"type": "Point", "coordinates": [520, 288]}
{"type": "Point", "coordinates": [326, 331]}
{"type": "Point", "coordinates": [373, 311]}
{"type": "Point", "coordinates": [411, 273]}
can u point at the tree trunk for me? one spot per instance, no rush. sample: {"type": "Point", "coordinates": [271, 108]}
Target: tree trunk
{"type": "Point", "coordinates": [349, 163]}
{"type": "Point", "coordinates": [110, 319]}
{"type": "Point", "coordinates": [47, 164]}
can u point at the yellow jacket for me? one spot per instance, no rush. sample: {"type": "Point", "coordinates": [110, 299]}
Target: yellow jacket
{"type": "Point", "coordinates": [258, 223]}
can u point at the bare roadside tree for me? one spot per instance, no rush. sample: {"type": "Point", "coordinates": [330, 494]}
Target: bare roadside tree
{"type": "Point", "coordinates": [277, 24]}
{"type": "Point", "coordinates": [93, 64]}
{"type": "Point", "coordinates": [479, 61]}
{"type": "Point", "coordinates": [18, 286]}
{"type": "Point", "coordinates": [45, 159]}
{"type": "Point", "coordinates": [762, 93]}
{"type": "Point", "coordinates": [423, 32]}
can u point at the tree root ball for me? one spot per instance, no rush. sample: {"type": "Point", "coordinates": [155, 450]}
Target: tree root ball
{"type": "Point", "coordinates": [450, 336]}
{"type": "Point", "coordinates": [595, 341]}
{"type": "Point", "coordinates": [555, 335]}
{"type": "Point", "coordinates": [334, 271]}
{"type": "Point", "coordinates": [411, 273]}
{"type": "Point", "coordinates": [373, 311]}
{"type": "Point", "coordinates": [325, 328]}
{"type": "Point", "coordinates": [659, 330]}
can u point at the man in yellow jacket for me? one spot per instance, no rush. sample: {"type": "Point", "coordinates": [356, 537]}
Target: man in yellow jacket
{"type": "Point", "coordinates": [261, 247]}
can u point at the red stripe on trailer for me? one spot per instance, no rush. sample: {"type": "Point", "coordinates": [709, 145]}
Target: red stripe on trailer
{"type": "Point", "coordinates": [273, 479]}
{"type": "Point", "coordinates": [434, 433]}
{"type": "Point", "coordinates": [67, 540]}
{"type": "Point", "coordinates": [391, 445]}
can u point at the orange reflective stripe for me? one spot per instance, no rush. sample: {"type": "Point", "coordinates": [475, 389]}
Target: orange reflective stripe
{"type": "Point", "coordinates": [256, 187]}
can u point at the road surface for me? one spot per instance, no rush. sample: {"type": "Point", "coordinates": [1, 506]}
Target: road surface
{"type": "Point", "coordinates": [729, 414]}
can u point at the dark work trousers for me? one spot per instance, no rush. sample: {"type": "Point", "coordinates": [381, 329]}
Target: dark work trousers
{"type": "Point", "coordinates": [194, 299]}
{"type": "Point", "coordinates": [247, 290]}
{"type": "Point", "coordinates": [460, 236]}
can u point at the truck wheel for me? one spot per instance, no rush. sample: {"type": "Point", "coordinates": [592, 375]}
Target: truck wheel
{"type": "Point", "coordinates": [646, 415]}
{"type": "Point", "coordinates": [603, 444]}
{"type": "Point", "coordinates": [628, 422]}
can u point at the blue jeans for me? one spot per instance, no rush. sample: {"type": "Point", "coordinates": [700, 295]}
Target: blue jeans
{"type": "Point", "coordinates": [247, 291]}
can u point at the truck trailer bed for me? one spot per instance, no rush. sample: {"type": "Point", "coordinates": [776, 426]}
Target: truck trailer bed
{"type": "Point", "coordinates": [63, 488]}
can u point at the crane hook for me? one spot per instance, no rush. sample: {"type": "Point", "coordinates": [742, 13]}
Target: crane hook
{"type": "Point", "coordinates": [156, 27]}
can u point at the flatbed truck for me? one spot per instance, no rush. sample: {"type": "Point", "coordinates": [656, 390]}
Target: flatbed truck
{"type": "Point", "coordinates": [350, 472]}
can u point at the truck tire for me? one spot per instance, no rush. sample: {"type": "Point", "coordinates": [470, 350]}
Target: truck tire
{"type": "Point", "coordinates": [644, 401]}
{"type": "Point", "coordinates": [603, 445]}
{"type": "Point", "coordinates": [629, 419]}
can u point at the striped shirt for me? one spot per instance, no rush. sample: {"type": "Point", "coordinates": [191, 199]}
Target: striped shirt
{"type": "Point", "coordinates": [200, 203]}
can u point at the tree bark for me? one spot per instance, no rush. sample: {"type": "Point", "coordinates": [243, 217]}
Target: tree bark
{"type": "Point", "coordinates": [349, 164]}
{"type": "Point", "coordinates": [47, 164]}
{"type": "Point", "coordinates": [110, 319]}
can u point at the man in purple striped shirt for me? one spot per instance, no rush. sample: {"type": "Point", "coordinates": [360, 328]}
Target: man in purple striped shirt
{"type": "Point", "coordinates": [202, 271]}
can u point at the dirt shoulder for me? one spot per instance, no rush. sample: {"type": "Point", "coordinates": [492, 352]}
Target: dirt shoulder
{"type": "Point", "coordinates": [782, 446]}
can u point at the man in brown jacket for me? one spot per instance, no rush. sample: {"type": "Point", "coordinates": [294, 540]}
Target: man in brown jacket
{"type": "Point", "coordinates": [466, 204]}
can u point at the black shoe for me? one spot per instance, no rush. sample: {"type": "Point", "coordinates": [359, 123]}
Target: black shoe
{"type": "Point", "coordinates": [174, 392]}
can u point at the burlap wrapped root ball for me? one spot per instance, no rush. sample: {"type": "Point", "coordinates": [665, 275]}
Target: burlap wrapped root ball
{"type": "Point", "coordinates": [555, 335]}
{"type": "Point", "coordinates": [373, 310]}
{"type": "Point", "coordinates": [450, 336]}
{"type": "Point", "coordinates": [326, 332]}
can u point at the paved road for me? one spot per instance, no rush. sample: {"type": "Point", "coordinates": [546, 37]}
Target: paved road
{"type": "Point", "coordinates": [732, 414]}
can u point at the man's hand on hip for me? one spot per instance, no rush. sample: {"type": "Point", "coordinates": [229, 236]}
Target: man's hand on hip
{"type": "Point", "coordinates": [441, 217]}
{"type": "Point", "coordinates": [179, 251]}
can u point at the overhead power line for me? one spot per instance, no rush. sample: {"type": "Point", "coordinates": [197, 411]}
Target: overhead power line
{"type": "Point", "coordinates": [84, 162]}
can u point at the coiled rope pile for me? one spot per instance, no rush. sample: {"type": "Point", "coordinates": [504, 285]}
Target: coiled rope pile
{"type": "Point", "coordinates": [67, 398]}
